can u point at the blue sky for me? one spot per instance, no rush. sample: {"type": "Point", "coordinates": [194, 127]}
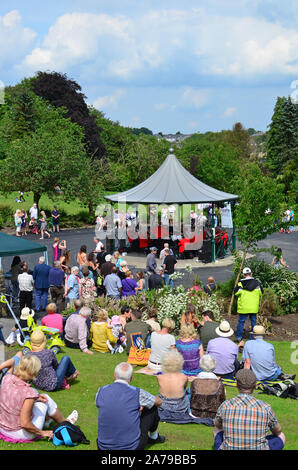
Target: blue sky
{"type": "Point", "coordinates": [166, 65]}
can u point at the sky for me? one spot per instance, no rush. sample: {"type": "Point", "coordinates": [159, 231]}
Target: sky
{"type": "Point", "coordinates": [168, 65]}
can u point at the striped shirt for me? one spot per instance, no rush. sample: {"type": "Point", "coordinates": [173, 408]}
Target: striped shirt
{"type": "Point", "coordinates": [245, 422]}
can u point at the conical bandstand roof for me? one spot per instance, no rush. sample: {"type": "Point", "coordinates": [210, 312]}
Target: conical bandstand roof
{"type": "Point", "coordinates": [171, 184]}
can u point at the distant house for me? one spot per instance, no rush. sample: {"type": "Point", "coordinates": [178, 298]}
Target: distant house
{"type": "Point", "coordinates": [173, 138]}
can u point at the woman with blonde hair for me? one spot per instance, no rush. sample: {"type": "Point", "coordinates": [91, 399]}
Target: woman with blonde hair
{"type": "Point", "coordinates": [18, 222]}
{"type": "Point", "coordinates": [129, 285]}
{"type": "Point", "coordinates": [191, 349]}
{"type": "Point", "coordinates": [118, 259]}
{"type": "Point", "coordinates": [101, 333]}
{"type": "Point", "coordinates": [161, 342]}
{"type": "Point", "coordinates": [43, 225]}
{"type": "Point", "coordinates": [23, 411]}
{"type": "Point", "coordinates": [53, 375]}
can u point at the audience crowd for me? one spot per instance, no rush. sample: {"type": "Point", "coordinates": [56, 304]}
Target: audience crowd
{"type": "Point", "coordinates": [190, 366]}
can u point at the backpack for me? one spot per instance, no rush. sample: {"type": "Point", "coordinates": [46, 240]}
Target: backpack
{"type": "Point", "coordinates": [286, 389]}
{"type": "Point", "coordinates": [68, 434]}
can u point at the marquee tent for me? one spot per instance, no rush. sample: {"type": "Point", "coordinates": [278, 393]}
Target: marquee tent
{"type": "Point", "coordinates": [11, 245]}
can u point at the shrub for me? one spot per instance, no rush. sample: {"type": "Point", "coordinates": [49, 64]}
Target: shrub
{"type": "Point", "coordinates": [6, 216]}
{"type": "Point", "coordinates": [282, 281]}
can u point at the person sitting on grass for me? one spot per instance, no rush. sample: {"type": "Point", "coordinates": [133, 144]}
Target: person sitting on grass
{"type": "Point", "coordinates": [53, 319]}
{"type": "Point", "coordinates": [225, 351]}
{"type": "Point", "coordinates": [52, 374]}
{"type": "Point", "coordinates": [191, 349]}
{"type": "Point", "coordinates": [175, 407]}
{"type": "Point", "coordinates": [102, 336]}
{"type": "Point", "coordinates": [259, 356]}
{"type": "Point", "coordinates": [161, 342]}
{"type": "Point", "coordinates": [127, 416]}
{"type": "Point", "coordinates": [242, 422]}
{"type": "Point", "coordinates": [76, 331]}
{"type": "Point", "coordinates": [207, 391]}
{"type": "Point", "coordinates": [24, 413]}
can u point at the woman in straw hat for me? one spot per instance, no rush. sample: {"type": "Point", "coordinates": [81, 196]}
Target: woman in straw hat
{"type": "Point", "coordinates": [52, 375]}
{"type": "Point", "coordinates": [225, 351]}
{"type": "Point", "coordinates": [23, 410]}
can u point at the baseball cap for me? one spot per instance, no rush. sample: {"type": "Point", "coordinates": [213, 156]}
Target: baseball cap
{"type": "Point", "coordinates": [246, 271]}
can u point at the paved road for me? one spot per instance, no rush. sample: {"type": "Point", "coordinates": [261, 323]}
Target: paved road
{"type": "Point", "coordinates": [76, 238]}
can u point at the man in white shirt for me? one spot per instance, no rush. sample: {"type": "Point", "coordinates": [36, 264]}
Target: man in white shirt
{"type": "Point", "coordinates": [33, 211]}
{"type": "Point", "coordinates": [26, 285]}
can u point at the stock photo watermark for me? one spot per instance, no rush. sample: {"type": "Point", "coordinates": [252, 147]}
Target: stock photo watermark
{"type": "Point", "coordinates": [149, 222]}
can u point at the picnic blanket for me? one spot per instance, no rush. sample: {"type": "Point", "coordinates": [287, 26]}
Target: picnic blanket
{"type": "Point", "coordinates": [176, 411]}
{"type": "Point", "coordinates": [278, 388]}
{"type": "Point", "coordinates": [232, 382]}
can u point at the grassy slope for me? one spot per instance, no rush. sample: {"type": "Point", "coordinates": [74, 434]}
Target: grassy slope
{"type": "Point", "coordinates": [97, 370]}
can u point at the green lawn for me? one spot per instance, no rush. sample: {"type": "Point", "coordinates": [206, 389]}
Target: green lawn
{"type": "Point", "coordinates": [97, 370]}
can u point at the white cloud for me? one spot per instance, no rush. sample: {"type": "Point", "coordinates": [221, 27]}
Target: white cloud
{"type": "Point", "coordinates": [107, 101]}
{"type": "Point", "coordinates": [229, 111]}
{"type": "Point", "coordinates": [166, 46]}
{"type": "Point", "coordinates": [15, 39]}
{"type": "Point", "coordinates": [195, 98]}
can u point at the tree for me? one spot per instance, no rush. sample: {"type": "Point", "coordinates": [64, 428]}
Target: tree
{"type": "Point", "coordinates": [54, 155]}
{"type": "Point", "coordinates": [282, 143]}
{"type": "Point", "coordinates": [239, 139]}
{"type": "Point", "coordinates": [257, 213]}
{"type": "Point", "coordinates": [59, 91]}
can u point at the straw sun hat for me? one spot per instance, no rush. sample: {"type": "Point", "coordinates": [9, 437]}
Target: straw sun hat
{"type": "Point", "coordinates": [38, 340]}
{"type": "Point", "coordinates": [224, 329]}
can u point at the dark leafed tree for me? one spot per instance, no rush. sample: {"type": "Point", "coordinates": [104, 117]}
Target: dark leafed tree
{"type": "Point", "coordinates": [282, 145]}
{"type": "Point", "coordinates": [61, 91]}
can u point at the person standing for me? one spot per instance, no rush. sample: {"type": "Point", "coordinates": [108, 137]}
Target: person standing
{"type": "Point", "coordinates": [112, 284]}
{"type": "Point", "coordinates": [26, 286]}
{"type": "Point", "coordinates": [56, 282]}
{"type": "Point", "coordinates": [43, 225]}
{"type": "Point", "coordinates": [242, 422]}
{"type": "Point", "coordinates": [33, 211]}
{"type": "Point", "coordinates": [169, 267]}
{"type": "Point", "coordinates": [57, 249]}
{"type": "Point", "coordinates": [72, 286]}
{"type": "Point", "coordinates": [18, 222]}
{"type": "Point", "coordinates": [248, 292]}
{"type": "Point", "coordinates": [55, 220]}
{"type": "Point", "coordinates": [15, 270]}
{"type": "Point", "coordinates": [151, 264]}
{"type": "Point", "coordinates": [41, 284]}
{"type": "Point", "coordinates": [162, 254]}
